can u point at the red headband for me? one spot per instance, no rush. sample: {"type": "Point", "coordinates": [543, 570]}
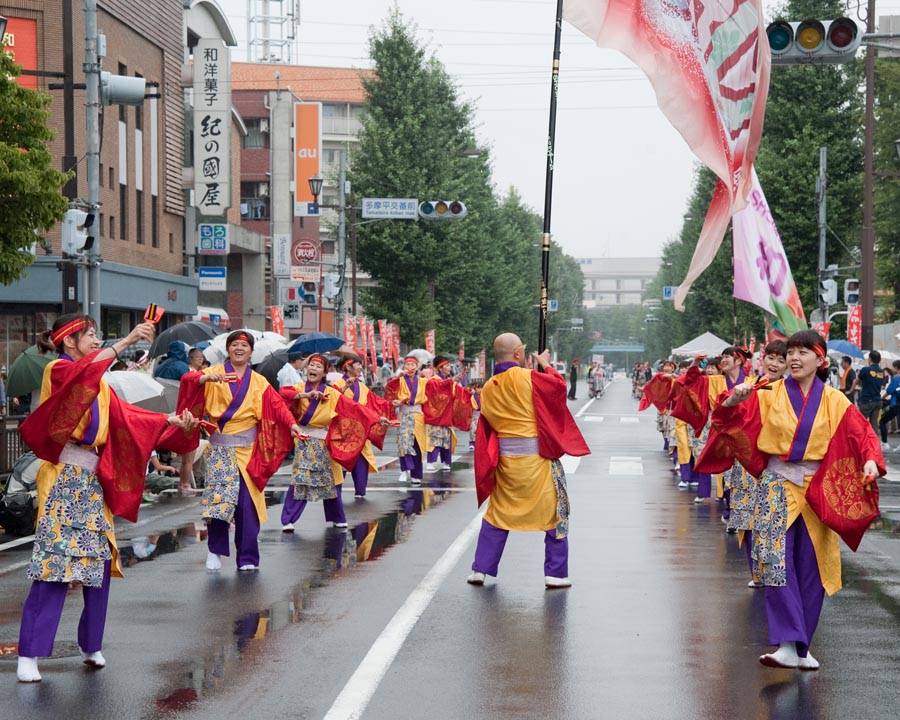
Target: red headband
{"type": "Point", "coordinates": [818, 350]}
{"type": "Point", "coordinates": [441, 363]}
{"type": "Point", "coordinates": [242, 336]}
{"type": "Point", "coordinates": [69, 328]}
{"type": "Point", "coordinates": [323, 361]}
{"type": "Point", "coordinates": [349, 361]}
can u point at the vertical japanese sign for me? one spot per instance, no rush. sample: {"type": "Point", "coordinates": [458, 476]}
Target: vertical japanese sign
{"type": "Point", "coordinates": [212, 127]}
{"type": "Point", "coordinates": [462, 349]}
{"type": "Point", "coordinates": [482, 367]}
{"type": "Point", "coordinates": [373, 355]}
{"type": "Point", "coordinates": [385, 340]}
{"type": "Point", "coordinates": [277, 320]}
{"type": "Point", "coordinates": [20, 42]}
{"type": "Point", "coordinates": [429, 341]}
{"type": "Point", "coordinates": [854, 325]}
{"type": "Point", "coordinates": [350, 331]}
{"type": "Point", "coordinates": [307, 155]}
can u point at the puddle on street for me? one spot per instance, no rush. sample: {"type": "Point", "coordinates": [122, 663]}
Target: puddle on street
{"type": "Point", "coordinates": [344, 549]}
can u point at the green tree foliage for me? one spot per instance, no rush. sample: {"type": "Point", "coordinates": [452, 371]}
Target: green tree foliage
{"type": "Point", "coordinates": [887, 189]}
{"type": "Point", "coordinates": [30, 197]}
{"type": "Point", "coordinates": [469, 279]}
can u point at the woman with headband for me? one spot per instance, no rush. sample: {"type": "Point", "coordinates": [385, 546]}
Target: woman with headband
{"type": "Point", "coordinates": [800, 428]}
{"type": "Point", "coordinates": [320, 458]}
{"type": "Point", "coordinates": [352, 386]}
{"type": "Point", "coordinates": [253, 434]}
{"type": "Point", "coordinates": [95, 450]}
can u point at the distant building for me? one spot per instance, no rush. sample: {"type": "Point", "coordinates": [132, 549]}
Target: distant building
{"type": "Point", "coordinates": [610, 282]}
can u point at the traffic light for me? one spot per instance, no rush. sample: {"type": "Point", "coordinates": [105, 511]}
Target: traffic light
{"type": "Point", "coordinates": [828, 291]}
{"type": "Point", "coordinates": [76, 228]}
{"type": "Point", "coordinates": [310, 293]}
{"type": "Point", "coordinates": [851, 291]}
{"type": "Point", "coordinates": [121, 89]}
{"type": "Point", "coordinates": [816, 42]}
{"type": "Point", "coordinates": [332, 286]}
{"type": "Point", "coordinates": [442, 210]}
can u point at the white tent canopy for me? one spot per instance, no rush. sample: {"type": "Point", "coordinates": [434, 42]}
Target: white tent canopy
{"type": "Point", "coordinates": [706, 344]}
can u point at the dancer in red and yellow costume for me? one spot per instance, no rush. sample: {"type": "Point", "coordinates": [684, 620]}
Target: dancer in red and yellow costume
{"type": "Point", "coordinates": [95, 449]}
{"type": "Point", "coordinates": [253, 434]}
{"type": "Point", "coordinates": [335, 429]}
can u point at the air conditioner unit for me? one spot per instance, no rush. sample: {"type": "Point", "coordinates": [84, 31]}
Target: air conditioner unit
{"type": "Point", "coordinates": [262, 190]}
{"type": "Point", "coordinates": [264, 125]}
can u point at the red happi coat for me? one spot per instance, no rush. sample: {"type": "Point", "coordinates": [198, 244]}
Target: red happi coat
{"type": "Point", "coordinates": [133, 432]}
{"type": "Point", "coordinates": [558, 434]}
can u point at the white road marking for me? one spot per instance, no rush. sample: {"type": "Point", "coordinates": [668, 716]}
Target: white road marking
{"type": "Point", "coordinates": [629, 419]}
{"type": "Point", "coordinates": [594, 418]}
{"type": "Point", "coordinates": [626, 466]}
{"type": "Point", "coordinates": [353, 699]}
{"type": "Point", "coordinates": [570, 464]}
{"type": "Point", "coordinates": [584, 408]}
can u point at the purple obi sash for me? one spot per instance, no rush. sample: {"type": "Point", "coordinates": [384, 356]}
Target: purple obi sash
{"type": "Point", "coordinates": [313, 403]}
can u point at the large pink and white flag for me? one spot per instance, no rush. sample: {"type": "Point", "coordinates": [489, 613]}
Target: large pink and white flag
{"type": "Point", "coordinates": [762, 275]}
{"type": "Point", "coordinates": [708, 63]}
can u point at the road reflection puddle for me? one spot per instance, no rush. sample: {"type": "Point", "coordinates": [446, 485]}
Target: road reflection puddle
{"type": "Point", "coordinates": [344, 550]}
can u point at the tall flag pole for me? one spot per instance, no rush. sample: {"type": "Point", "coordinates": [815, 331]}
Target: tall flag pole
{"type": "Point", "coordinates": [548, 188]}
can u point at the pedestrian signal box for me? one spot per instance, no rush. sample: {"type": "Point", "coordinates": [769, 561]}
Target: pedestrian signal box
{"type": "Point", "coordinates": [851, 291]}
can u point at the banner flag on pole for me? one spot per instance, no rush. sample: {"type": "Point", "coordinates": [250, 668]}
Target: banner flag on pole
{"type": "Point", "coordinates": [709, 66]}
{"type": "Point", "coordinates": [762, 275]}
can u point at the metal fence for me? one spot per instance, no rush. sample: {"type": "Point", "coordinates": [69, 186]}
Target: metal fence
{"type": "Point", "coordinates": [11, 443]}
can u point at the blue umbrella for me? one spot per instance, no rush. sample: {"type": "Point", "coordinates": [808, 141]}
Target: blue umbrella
{"type": "Point", "coordinates": [315, 342]}
{"type": "Point", "coordinates": [845, 348]}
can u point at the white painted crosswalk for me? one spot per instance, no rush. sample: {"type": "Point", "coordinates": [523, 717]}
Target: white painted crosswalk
{"type": "Point", "coordinates": [619, 465]}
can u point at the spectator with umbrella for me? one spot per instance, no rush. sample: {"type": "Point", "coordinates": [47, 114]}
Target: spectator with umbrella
{"type": "Point", "coordinates": [176, 363]}
{"type": "Point", "coordinates": [190, 333]}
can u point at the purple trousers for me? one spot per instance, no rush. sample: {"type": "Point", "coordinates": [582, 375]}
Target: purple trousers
{"type": "Point", "coordinates": [687, 473]}
{"type": "Point", "coordinates": [293, 508]}
{"type": "Point", "coordinates": [445, 454]}
{"type": "Point", "coordinates": [793, 610]}
{"type": "Point", "coordinates": [492, 540]}
{"type": "Point", "coordinates": [43, 610]}
{"type": "Point", "coordinates": [412, 463]}
{"type": "Point", "coordinates": [246, 531]}
{"type": "Point", "coordinates": [360, 476]}
{"type": "Point", "coordinates": [704, 484]}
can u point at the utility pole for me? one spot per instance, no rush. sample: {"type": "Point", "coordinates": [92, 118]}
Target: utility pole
{"type": "Point", "coordinates": [92, 81]}
{"type": "Point", "coordinates": [342, 244]}
{"type": "Point", "coordinates": [867, 271]}
{"type": "Point", "coordinates": [822, 191]}
{"type": "Point", "coordinates": [70, 162]}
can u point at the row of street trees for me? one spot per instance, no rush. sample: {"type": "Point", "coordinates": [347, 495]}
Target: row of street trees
{"type": "Point", "coordinates": [469, 279]}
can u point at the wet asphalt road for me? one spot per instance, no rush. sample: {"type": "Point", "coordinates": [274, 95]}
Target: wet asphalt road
{"type": "Point", "coordinates": [378, 619]}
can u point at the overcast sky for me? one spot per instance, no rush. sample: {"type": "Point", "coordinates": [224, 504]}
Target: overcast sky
{"type": "Point", "coordinates": [623, 175]}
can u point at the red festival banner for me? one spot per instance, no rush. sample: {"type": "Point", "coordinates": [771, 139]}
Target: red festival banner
{"type": "Point", "coordinates": [482, 367]}
{"type": "Point", "coordinates": [395, 337]}
{"type": "Point", "coordinates": [823, 328]}
{"type": "Point", "coordinates": [363, 347]}
{"type": "Point", "coordinates": [371, 336]}
{"type": "Point", "coordinates": [429, 341]}
{"type": "Point", "coordinates": [277, 320]}
{"type": "Point", "coordinates": [350, 331]}
{"type": "Point", "coordinates": [462, 349]}
{"type": "Point", "coordinates": [854, 325]}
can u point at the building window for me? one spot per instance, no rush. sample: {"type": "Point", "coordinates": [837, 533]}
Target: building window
{"type": "Point", "coordinates": [123, 70]}
{"type": "Point", "coordinates": [171, 242]}
{"type": "Point", "coordinates": [112, 227]}
{"type": "Point", "coordinates": [112, 177]}
{"type": "Point", "coordinates": [255, 201]}
{"type": "Point", "coordinates": [138, 112]}
{"type": "Point", "coordinates": [100, 178]}
{"type": "Point", "coordinates": [123, 212]}
{"type": "Point", "coordinates": [139, 216]}
{"type": "Point", "coordinates": [257, 137]}
{"type": "Point", "coordinates": [100, 223]}
{"type": "Point", "coordinates": [154, 220]}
